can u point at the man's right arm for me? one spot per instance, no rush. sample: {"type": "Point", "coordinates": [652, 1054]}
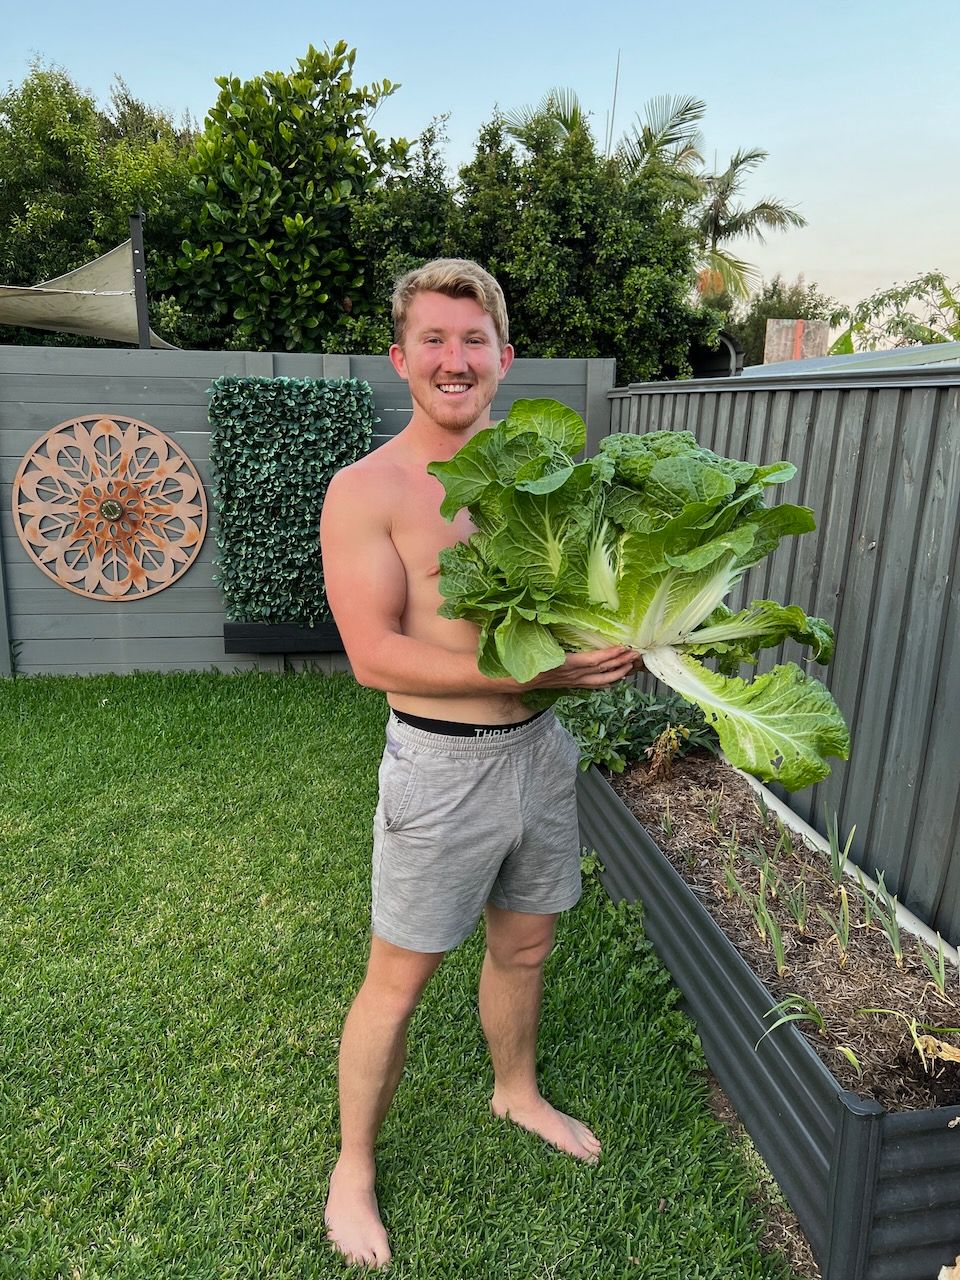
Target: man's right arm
{"type": "Point", "coordinates": [365, 584]}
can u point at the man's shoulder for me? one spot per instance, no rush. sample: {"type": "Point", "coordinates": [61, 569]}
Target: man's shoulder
{"type": "Point", "coordinates": [379, 467]}
{"type": "Point", "coordinates": [368, 491]}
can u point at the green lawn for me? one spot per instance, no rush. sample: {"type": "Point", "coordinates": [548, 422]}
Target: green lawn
{"type": "Point", "coordinates": [183, 922]}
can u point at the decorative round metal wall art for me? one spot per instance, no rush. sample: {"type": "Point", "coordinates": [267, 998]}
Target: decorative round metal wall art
{"type": "Point", "coordinates": [109, 507]}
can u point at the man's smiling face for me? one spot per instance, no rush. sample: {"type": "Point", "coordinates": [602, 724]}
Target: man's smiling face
{"type": "Point", "coordinates": [451, 359]}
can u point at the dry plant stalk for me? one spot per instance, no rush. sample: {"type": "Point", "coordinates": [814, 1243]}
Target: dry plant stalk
{"type": "Point", "coordinates": [663, 753]}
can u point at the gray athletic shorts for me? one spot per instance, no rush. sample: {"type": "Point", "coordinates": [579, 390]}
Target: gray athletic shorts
{"type": "Point", "coordinates": [465, 821]}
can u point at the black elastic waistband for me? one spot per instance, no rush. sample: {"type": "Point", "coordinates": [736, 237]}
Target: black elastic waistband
{"type": "Point", "coordinates": [455, 729]}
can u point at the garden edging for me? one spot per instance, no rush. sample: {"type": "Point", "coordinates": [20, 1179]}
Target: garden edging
{"type": "Point", "coordinates": [876, 1192]}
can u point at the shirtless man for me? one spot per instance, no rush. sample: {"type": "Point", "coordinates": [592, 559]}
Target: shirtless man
{"type": "Point", "coordinates": [477, 811]}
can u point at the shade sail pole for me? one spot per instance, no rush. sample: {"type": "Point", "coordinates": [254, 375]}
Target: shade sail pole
{"type": "Point", "coordinates": [139, 278]}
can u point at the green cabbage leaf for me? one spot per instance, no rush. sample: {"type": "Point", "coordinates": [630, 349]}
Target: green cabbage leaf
{"type": "Point", "coordinates": [639, 546]}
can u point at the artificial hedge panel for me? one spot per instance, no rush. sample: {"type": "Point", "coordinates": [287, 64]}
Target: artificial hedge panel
{"type": "Point", "coordinates": [275, 444]}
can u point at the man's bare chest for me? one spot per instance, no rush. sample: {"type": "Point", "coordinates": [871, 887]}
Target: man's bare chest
{"type": "Point", "coordinates": [418, 530]}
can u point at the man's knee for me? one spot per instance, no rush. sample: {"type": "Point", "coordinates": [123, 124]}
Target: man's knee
{"type": "Point", "coordinates": [522, 949]}
{"type": "Point", "coordinates": [396, 978]}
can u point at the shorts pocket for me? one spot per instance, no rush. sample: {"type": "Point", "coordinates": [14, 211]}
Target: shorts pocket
{"type": "Point", "coordinates": [398, 776]}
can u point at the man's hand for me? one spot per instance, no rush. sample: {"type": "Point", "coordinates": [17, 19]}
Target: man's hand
{"type": "Point", "coordinates": [594, 669]}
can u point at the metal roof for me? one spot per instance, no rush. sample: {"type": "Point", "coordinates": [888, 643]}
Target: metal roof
{"type": "Point", "coordinates": [919, 357]}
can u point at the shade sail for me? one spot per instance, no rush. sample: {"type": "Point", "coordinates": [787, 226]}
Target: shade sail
{"type": "Point", "coordinates": [95, 301]}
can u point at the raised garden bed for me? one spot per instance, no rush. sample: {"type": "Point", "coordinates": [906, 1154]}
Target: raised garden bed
{"type": "Point", "coordinates": [280, 637]}
{"type": "Point", "coordinates": [876, 1188]}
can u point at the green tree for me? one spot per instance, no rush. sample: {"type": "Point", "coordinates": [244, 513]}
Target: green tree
{"type": "Point", "coordinates": [924, 310]}
{"type": "Point", "coordinates": [71, 176]}
{"type": "Point", "coordinates": [592, 263]}
{"type": "Point", "coordinates": [776, 300]}
{"type": "Point", "coordinates": [281, 164]}
{"type": "Point", "coordinates": [51, 144]}
{"type": "Point", "coordinates": [721, 218]}
{"type": "Point", "coordinates": [664, 145]}
{"type": "Point", "coordinates": [412, 217]}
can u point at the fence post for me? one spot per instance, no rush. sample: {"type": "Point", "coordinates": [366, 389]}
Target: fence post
{"type": "Point", "coordinates": [6, 641]}
{"type": "Point", "coordinates": [601, 379]}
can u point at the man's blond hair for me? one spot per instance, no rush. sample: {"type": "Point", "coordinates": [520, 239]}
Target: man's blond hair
{"type": "Point", "coordinates": [456, 278]}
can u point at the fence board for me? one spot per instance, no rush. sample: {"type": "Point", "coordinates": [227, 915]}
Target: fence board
{"type": "Point", "coordinates": [120, 624]}
{"type": "Point", "coordinates": [121, 653]}
{"type": "Point", "coordinates": [6, 662]}
{"type": "Point", "coordinates": [901, 668]}
{"type": "Point", "coordinates": [739, 427]}
{"type": "Point", "coordinates": [196, 594]}
{"type": "Point", "coordinates": [857, 623]}
{"type": "Point", "coordinates": [41, 388]}
{"type": "Point", "coordinates": [924, 718]}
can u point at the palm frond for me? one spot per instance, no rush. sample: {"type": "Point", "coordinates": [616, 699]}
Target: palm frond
{"type": "Point", "coordinates": [748, 159]}
{"type": "Point", "coordinates": [768, 215]}
{"type": "Point", "coordinates": [666, 132]}
{"type": "Point", "coordinates": [559, 107]}
{"type": "Point", "coordinates": [733, 275]}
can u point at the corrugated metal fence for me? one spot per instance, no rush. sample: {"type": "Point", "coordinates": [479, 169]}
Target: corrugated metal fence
{"type": "Point", "coordinates": [50, 629]}
{"type": "Point", "coordinates": [879, 462]}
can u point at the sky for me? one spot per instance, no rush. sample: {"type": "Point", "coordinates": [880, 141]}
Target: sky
{"type": "Point", "coordinates": [856, 101]}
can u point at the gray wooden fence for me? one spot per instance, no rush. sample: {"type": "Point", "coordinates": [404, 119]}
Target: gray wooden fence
{"type": "Point", "coordinates": [879, 462]}
{"type": "Point", "coordinates": [51, 630]}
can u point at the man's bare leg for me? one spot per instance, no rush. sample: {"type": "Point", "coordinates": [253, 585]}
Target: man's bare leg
{"type": "Point", "coordinates": [372, 1054]}
{"type": "Point", "coordinates": [511, 986]}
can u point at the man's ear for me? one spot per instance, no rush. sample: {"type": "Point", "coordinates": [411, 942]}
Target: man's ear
{"type": "Point", "coordinates": [398, 361]}
{"type": "Point", "coordinates": [506, 360]}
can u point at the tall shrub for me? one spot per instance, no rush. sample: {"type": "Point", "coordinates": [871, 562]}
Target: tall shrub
{"type": "Point", "coordinates": [282, 162]}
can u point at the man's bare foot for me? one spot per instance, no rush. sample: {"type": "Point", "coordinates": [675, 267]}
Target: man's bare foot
{"type": "Point", "coordinates": [353, 1217]}
{"type": "Point", "coordinates": [561, 1131]}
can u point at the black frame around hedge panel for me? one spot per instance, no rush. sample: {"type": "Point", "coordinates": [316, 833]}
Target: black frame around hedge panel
{"type": "Point", "coordinates": [280, 637]}
{"type": "Point", "coordinates": [877, 1193]}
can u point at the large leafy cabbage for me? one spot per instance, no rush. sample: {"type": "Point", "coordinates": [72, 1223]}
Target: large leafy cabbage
{"type": "Point", "coordinates": [638, 546]}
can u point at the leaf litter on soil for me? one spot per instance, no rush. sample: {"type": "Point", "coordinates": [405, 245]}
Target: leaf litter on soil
{"type": "Point", "coordinates": [706, 818]}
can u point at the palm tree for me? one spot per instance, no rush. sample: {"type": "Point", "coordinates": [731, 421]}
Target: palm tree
{"type": "Point", "coordinates": [665, 142]}
{"type": "Point", "coordinates": [666, 139]}
{"type": "Point", "coordinates": [560, 108]}
{"type": "Point", "coordinates": [721, 219]}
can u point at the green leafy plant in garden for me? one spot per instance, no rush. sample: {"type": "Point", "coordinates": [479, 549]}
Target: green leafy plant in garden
{"type": "Point", "coordinates": [616, 727]}
{"type": "Point", "coordinates": [637, 546]}
{"type": "Point", "coordinates": [274, 447]}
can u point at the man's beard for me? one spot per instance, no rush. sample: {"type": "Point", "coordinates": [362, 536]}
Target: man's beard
{"type": "Point", "coordinates": [454, 417]}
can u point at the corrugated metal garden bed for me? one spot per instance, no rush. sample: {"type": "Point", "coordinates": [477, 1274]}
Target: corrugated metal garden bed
{"type": "Point", "coordinates": [876, 1190]}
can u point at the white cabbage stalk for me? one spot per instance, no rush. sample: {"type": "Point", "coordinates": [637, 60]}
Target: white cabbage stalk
{"type": "Point", "coordinates": [602, 571]}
